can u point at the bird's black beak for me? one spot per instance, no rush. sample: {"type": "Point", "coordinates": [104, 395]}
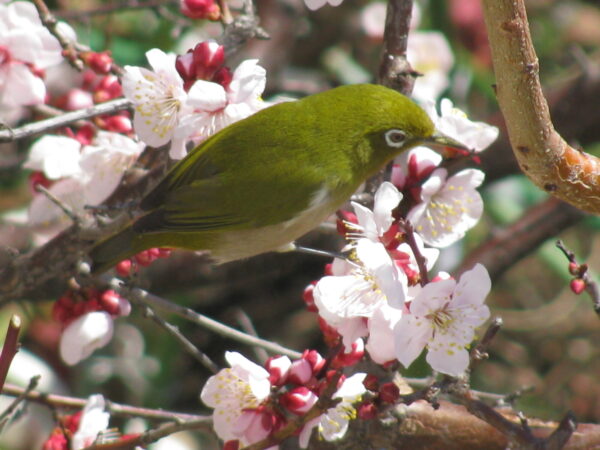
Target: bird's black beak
{"type": "Point", "coordinates": [447, 146]}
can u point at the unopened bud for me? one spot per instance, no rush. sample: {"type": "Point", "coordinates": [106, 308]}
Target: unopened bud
{"type": "Point", "coordinates": [367, 411]}
{"type": "Point", "coordinates": [577, 286]}
{"type": "Point", "coordinates": [278, 368]}
{"type": "Point", "coordinates": [298, 400]}
{"type": "Point", "coordinates": [389, 392]}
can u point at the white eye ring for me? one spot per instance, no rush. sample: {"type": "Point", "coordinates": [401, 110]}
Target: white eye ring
{"type": "Point", "coordinates": [395, 138]}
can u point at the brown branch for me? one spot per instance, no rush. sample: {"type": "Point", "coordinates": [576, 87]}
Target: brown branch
{"type": "Point", "coordinates": [116, 409]}
{"type": "Point", "coordinates": [509, 245]}
{"type": "Point", "coordinates": [542, 153]}
{"type": "Point", "coordinates": [394, 70]}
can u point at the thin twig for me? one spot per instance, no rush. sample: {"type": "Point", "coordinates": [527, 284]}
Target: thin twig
{"type": "Point", "coordinates": [66, 209]}
{"type": "Point", "coordinates": [8, 412]}
{"type": "Point", "coordinates": [247, 325]}
{"type": "Point", "coordinates": [409, 236]}
{"type": "Point", "coordinates": [201, 357]}
{"type": "Point", "coordinates": [203, 321]}
{"type": "Point", "coordinates": [479, 352]}
{"type": "Point", "coordinates": [116, 409]}
{"type": "Point", "coordinates": [42, 126]}
{"type": "Point", "coordinates": [51, 24]}
{"type": "Point", "coordinates": [583, 273]}
{"type": "Point", "coordinates": [10, 347]}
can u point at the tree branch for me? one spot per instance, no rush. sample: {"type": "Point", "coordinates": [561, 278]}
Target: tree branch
{"type": "Point", "coordinates": [542, 153]}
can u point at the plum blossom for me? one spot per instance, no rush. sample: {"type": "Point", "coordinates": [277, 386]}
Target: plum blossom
{"type": "Point", "coordinates": [84, 175]}
{"type": "Point", "coordinates": [347, 301]}
{"type": "Point", "coordinates": [453, 122]}
{"type": "Point", "coordinates": [373, 224]}
{"type": "Point", "coordinates": [334, 423]}
{"type": "Point", "coordinates": [26, 46]}
{"type": "Point", "coordinates": [449, 206]}
{"type": "Point", "coordinates": [84, 335]}
{"type": "Point", "coordinates": [165, 111]}
{"type": "Point", "coordinates": [94, 420]}
{"type": "Point", "coordinates": [380, 345]}
{"type": "Point", "coordinates": [429, 54]}
{"type": "Point", "coordinates": [236, 395]}
{"type": "Point", "coordinates": [443, 318]}
{"type": "Point", "coordinates": [158, 96]}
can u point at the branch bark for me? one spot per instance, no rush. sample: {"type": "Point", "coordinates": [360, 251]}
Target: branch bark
{"type": "Point", "coordinates": [542, 153]}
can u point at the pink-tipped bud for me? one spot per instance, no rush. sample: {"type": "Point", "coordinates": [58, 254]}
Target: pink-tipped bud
{"type": "Point", "coordinates": [107, 89]}
{"type": "Point", "coordinates": [123, 268]}
{"type": "Point", "coordinates": [200, 9]}
{"type": "Point", "coordinates": [300, 372]}
{"type": "Point", "coordinates": [389, 393]}
{"type": "Point", "coordinates": [298, 400]}
{"type": "Point", "coordinates": [574, 268]}
{"type": "Point", "coordinates": [110, 302]}
{"type": "Point", "coordinates": [367, 411]}
{"type": "Point", "coordinates": [317, 362]}
{"type": "Point", "coordinates": [75, 99]}
{"type": "Point", "coordinates": [356, 353]}
{"type": "Point", "coordinates": [309, 298]}
{"type": "Point", "coordinates": [278, 368]}
{"type": "Point", "coordinates": [144, 258]}
{"type": "Point", "coordinates": [577, 286]}
{"type": "Point", "coordinates": [117, 124]}
{"type": "Point", "coordinates": [99, 62]}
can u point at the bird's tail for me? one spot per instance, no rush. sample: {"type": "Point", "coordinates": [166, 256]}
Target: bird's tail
{"type": "Point", "coordinates": [112, 250]}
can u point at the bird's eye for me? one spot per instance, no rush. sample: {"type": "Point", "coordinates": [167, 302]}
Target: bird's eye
{"type": "Point", "coordinates": [395, 138]}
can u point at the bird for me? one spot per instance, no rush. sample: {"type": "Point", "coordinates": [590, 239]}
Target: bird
{"type": "Point", "coordinates": [260, 183]}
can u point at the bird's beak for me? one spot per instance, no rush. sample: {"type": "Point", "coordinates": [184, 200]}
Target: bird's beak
{"type": "Point", "coordinates": [447, 146]}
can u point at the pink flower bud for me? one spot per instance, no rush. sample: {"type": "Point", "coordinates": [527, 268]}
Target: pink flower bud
{"type": "Point", "coordinates": [107, 89]}
{"type": "Point", "coordinates": [117, 124]}
{"type": "Point", "coordinates": [124, 268]}
{"type": "Point", "coordinates": [574, 268]}
{"type": "Point", "coordinates": [75, 99]}
{"type": "Point", "coordinates": [389, 392]}
{"type": "Point", "coordinates": [577, 286]}
{"type": "Point", "coordinates": [367, 411]}
{"type": "Point", "coordinates": [300, 372]}
{"type": "Point", "coordinates": [343, 359]}
{"type": "Point", "coordinates": [200, 9]}
{"type": "Point", "coordinates": [278, 368]}
{"type": "Point", "coordinates": [98, 62]}
{"type": "Point", "coordinates": [298, 400]}
{"type": "Point", "coordinates": [109, 301]}
{"type": "Point", "coordinates": [315, 359]}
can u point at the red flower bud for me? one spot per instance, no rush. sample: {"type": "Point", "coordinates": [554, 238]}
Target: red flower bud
{"type": "Point", "coordinates": [200, 9]}
{"type": "Point", "coordinates": [343, 359]}
{"type": "Point", "coordinates": [110, 302]}
{"type": "Point", "coordinates": [371, 382]}
{"type": "Point", "coordinates": [574, 268]}
{"type": "Point", "coordinates": [98, 62]}
{"type": "Point", "coordinates": [124, 268]}
{"type": "Point", "coordinates": [577, 286]}
{"type": "Point", "coordinates": [308, 297]}
{"type": "Point", "coordinates": [389, 392]}
{"type": "Point", "coordinates": [278, 368]}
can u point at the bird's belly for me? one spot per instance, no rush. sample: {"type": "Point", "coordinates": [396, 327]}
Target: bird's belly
{"type": "Point", "coordinates": [240, 244]}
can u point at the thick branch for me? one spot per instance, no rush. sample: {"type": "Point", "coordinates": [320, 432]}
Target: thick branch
{"type": "Point", "coordinates": [542, 153]}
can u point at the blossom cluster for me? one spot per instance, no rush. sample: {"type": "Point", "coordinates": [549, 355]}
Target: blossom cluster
{"type": "Point", "coordinates": [252, 402]}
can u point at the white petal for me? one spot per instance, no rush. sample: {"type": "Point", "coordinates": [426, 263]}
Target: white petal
{"type": "Point", "coordinates": [387, 198]}
{"type": "Point", "coordinates": [451, 361]}
{"type": "Point", "coordinates": [207, 96]}
{"type": "Point", "coordinates": [94, 419]}
{"type": "Point", "coordinates": [411, 334]}
{"type": "Point", "coordinates": [381, 345]}
{"type": "Point", "coordinates": [84, 335]}
{"type": "Point", "coordinates": [248, 82]}
{"type": "Point", "coordinates": [56, 156]}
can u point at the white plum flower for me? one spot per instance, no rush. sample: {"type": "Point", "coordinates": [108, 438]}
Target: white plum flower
{"type": "Point", "coordinates": [380, 345]}
{"type": "Point", "coordinates": [429, 54]}
{"type": "Point", "coordinates": [443, 318]}
{"type": "Point", "coordinates": [346, 302]}
{"type": "Point", "coordinates": [85, 175]}
{"type": "Point", "coordinates": [215, 106]}
{"type": "Point", "coordinates": [158, 97]}
{"type": "Point", "coordinates": [373, 224]}
{"type": "Point", "coordinates": [235, 394]}
{"type": "Point", "coordinates": [84, 335]}
{"type": "Point", "coordinates": [94, 420]}
{"type": "Point", "coordinates": [25, 44]}
{"type": "Point", "coordinates": [453, 122]}
{"type": "Point", "coordinates": [334, 423]}
{"type": "Point", "coordinates": [449, 207]}
{"type": "Point", "coordinates": [55, 156]}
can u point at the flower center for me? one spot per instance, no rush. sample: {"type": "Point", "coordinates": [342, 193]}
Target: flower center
{"type": "Point", "coordinates": [441, 319]}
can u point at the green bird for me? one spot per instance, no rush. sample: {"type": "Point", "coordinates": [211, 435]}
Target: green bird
{"type": "Point", "coordinates": [264, 181]}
